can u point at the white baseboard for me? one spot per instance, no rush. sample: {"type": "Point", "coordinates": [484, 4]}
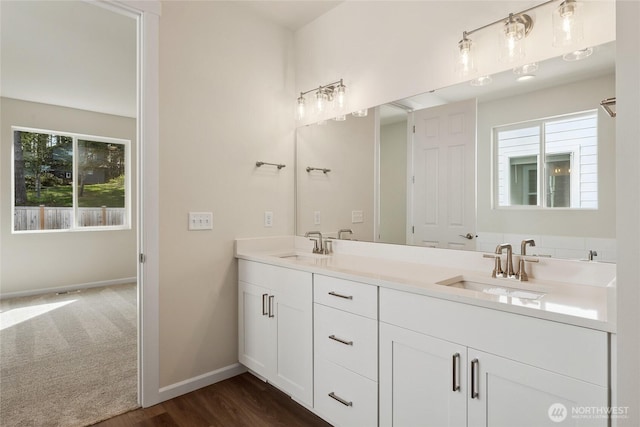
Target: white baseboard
{"type": "Point", "coordinates": [67, 288]}
{"type": "Point", "coordinates": [195, 383]}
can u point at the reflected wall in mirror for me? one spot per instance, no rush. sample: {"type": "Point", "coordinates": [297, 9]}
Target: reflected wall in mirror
{"type": "Point", "coordinates": [560, 88]}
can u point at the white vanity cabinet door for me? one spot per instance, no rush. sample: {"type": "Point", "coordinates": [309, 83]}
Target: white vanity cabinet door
{"type": "Point", "coordinates": [423, 380]}
{"type": "Point", "coordinates": [255, 347]}
{"type": "Point", "coordinates": [275, 326]}
{"type": "Point", "coordinates": [293, 311]}
{"type": "Point", "coordinates": [514, 394]}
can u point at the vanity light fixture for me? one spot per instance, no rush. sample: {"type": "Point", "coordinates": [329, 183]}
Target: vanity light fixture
{"type": "Point", "coordinates": [325, 96]}
{"type": "Point", "coordinates": [567, 31]}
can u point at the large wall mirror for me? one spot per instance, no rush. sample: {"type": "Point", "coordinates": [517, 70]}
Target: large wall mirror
{"type": "Point", "coordinates": [530, 155]}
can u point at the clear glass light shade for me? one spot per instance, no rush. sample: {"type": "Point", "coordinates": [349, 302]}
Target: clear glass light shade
{"type": "Point", "coordinates": [301, 108]}
{"type": "Point", "coordinates": [567, 24]}
{"type": "Point", "coordinates": [340, 96]}
{"type": "Point", "coordinates": [465, 61]}
{"type": "Point", "coordinates": [512, 40]}
{"type": "Point", "coordinates": [321, 101]}
{"type": "Point", "coordinates": [578, 55]}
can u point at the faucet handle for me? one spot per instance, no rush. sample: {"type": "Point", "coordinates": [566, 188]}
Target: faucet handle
{"type": "Point", "coordinates": [497, 267]}
{"type": "Point", "coordinates": [316, 248]}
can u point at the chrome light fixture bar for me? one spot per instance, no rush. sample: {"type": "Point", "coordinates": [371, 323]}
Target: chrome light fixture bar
{"type": "Point", "coordinates": [334, 92]}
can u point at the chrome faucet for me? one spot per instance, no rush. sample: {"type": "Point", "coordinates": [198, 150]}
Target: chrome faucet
{"type": "Point", "coordinates": [508, 271]}
{"type": "Point", "coordinates": [318, 247]}
{"type": "Point", "coordinates": [344, 230]}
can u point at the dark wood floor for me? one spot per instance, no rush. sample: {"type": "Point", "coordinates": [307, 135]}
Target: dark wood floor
{"type": "Point", "coordinates": [239, 401]}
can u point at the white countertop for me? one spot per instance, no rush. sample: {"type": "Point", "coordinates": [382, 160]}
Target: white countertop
{"type": "Point", "coordinates": [576, 304]}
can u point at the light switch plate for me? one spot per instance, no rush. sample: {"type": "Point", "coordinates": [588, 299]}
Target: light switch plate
{"type": "Point", "coordinates": [357, 217]}
{"type": "Point", "coordinates": [200, 221]}
{"type": "Point", "coordinates": [316, 218]}
{"type": "Point", "coordinates": [268, 219]}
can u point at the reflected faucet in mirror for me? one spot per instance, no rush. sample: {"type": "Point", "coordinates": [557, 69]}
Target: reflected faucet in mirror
{"type": "Point", "coordinates": [344, 231]}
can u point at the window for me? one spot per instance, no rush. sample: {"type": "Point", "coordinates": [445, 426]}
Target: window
{"type": "Point", "coordinates": [66, 181]}
{"type": "Point", "coordinates": [548, 163]}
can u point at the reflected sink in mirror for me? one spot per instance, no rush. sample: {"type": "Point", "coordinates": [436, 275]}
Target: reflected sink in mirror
{"type": "Point", "coordinates": [493, 287]}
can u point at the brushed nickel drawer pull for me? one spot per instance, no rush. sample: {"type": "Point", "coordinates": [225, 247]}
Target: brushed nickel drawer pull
{"type": "Point", "coordinates": [340, 340]}
{"type": "Point", "coordinates": [340, 296]}
{"type": "Point", "coordinates": [339, 399]}
{"type": "Point", "coordinates": [475, 379]}
{"type": "Point", "coordinates": [455, 360]}
{"type": "Point", "coordinates": [264, 304]}
{"type": "Point", "coordinates": [271, 297]}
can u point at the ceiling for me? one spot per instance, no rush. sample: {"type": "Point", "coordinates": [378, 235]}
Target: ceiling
{"type": "Point", "coordinates": [79, 55]}
{"type": "Point", "coordinates": [72, 54]}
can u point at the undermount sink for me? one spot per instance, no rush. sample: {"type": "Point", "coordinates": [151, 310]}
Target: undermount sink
{"type": "Point", "coordinates": [492, 287]}
{"type": "Point", "coordinates": [304, 257]}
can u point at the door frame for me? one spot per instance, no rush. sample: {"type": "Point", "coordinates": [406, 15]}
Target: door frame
{"type": "Point", "coordinates": [147, 15]}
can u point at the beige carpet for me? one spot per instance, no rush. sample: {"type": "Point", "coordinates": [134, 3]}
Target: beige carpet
{"type": "Point", "coordinates": [68, 360]}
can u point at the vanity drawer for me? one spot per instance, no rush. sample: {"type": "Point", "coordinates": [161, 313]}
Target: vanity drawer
{"type": "Point", "coordinates": [355, 398]}
{"type": "Point", "coordinates": [346, 339]}
{"type": "Point", "coordinates": [354, 297]}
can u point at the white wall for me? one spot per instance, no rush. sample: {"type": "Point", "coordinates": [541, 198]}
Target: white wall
{"type": "Point", "coordinates": [226, 101]}
{"type": "Point", "coordinates": [627, 392]}
{"type": "Point", "coordinates": [36, 261]}
{"type": "Point", "coordinates": [347, 148]}
{"type": "Point", "coordinates": [571, 98]}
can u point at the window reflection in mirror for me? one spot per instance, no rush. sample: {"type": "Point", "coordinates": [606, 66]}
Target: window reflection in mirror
{"type": "Point", "coordinates": [569, 175]}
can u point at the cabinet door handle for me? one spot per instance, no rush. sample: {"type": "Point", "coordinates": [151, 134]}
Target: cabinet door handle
{"type": "Point", "coordinates": [264, 304]}
{"type": "Point", "coordinates": [455, 369]}
{"type": "Point", "coordinates": [475, 379]}
{"type": "Point", "coordinates": [340, 340]}
{"type": "Point", "coordinates": [339, 399]}
{"type": "Point", "coordinates": [271, 297]}
{"type": "Point", "coordinates": [340, 296]}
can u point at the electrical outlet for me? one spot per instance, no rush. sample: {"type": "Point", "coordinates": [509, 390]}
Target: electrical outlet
{"type": "Point", "coordinates": [200, 220]}
{"type": "Point", "coordinates": [316, 218]}
{"type": "Point", "coordinates": [357, 217]}
{"type": "Point", "coordinates": [268, 219]}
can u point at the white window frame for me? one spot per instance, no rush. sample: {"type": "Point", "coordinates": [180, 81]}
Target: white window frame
{"type": "Point", "coordinates": [74, 215]}
{"type": "Point", "coordinates": [572, 151]}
